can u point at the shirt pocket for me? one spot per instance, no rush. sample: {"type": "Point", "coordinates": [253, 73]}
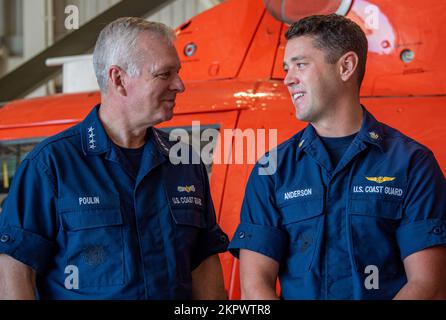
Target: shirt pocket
{"type": "Point", "coordinates": [188, 222]}
{"type": "Point", "coordinates": [94, 245]}
{"type": "Point", "coordinates": [373, 222]}
{"type": "Point", "coordinates": [303, 221]}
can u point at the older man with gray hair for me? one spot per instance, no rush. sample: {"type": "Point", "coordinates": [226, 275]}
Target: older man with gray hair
{"type": "Point", "coordinates": [92, 211]}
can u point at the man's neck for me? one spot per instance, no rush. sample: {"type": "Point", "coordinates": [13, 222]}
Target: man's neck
{"type": "Point", "coordinates": [120, 129]}
{"type": "Point", "coordinates": [345, 120]}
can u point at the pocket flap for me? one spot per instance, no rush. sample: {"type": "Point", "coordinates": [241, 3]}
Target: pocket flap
{"type": "Point", "coordinates": [189, 217]}
{"type": "Point", "coordinates": [301, 210]}
{"type": "Point", "coordinates": [376, 208]}
{"type": "Point", "coordinates": [78, 220]}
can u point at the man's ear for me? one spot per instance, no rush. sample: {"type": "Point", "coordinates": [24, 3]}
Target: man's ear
{"type": "Point", "coordinates": [116, 79]}
{"type": "Point", "coordinates": [348, 64]}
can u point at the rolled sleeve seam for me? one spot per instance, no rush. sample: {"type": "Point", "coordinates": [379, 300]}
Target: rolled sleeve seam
{"type": "Point", "coordinates": [211, 244]}
{"type": "Point", "coordinates": [27, 247]}
{"type": "Point", "coordinates": [418, 235]}
{"type": "Point", "coordinates": [267, 240]}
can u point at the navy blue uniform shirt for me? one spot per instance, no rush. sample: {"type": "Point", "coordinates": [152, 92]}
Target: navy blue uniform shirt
{"type": "Point", "coordinates": [331, 227]}
{"type": "Point", "coordinates": [77, 208]}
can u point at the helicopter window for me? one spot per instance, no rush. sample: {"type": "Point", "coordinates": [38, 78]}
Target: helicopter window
{"type": "Point", "coordinates": [289, 11]}
{"type": "Point", "coordinates": [11, 155]}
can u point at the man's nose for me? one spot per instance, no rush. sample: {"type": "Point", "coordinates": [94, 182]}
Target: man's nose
{"type": "Point", "coordinates": [290, 79]}
{"type": "Point", "coordinates": [177, 84]}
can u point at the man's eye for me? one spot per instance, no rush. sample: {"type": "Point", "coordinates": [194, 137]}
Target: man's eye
{"type": "Point", "coordinates": [301, 65]}
{"type": "Point", "coordinates": [164, 75]}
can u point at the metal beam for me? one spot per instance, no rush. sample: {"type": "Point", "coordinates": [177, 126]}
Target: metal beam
{"type": "Point", "coordinates": [33, 73]}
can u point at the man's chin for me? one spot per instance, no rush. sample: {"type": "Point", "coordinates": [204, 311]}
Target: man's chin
{"type": "Point", "coordinates": [300, 115]}
{"type": "Point", "coordinates": [168, 114]}
{"type": "Point", "coordinates": [304, 117]}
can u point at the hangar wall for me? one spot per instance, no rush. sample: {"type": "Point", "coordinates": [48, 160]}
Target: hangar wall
{"type": "Point", "coordinates": [28, 27]}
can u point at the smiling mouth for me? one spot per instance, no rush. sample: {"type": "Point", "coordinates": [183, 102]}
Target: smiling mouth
{"type": "Point", "coordinates": [297, 96]}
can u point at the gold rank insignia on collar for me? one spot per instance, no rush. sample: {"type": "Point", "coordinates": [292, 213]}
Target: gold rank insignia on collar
{"type": "Point", "coordinates": [373, 135]}
{"type": "Point", "coordinates": [301, 143]}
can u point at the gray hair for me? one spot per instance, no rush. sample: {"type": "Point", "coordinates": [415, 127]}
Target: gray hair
{"type": "Point", "coordinates": [117, 45]}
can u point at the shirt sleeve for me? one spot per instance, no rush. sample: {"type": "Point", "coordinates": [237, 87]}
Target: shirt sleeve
{"type": "Point", "coordinates": [212, 239]}
{"type": "Point", "coordinates": [424, 208]}
{"type": "Point", "coordinates": [259, 229]}
{"type": "Point", "coordinates": [27, 221]}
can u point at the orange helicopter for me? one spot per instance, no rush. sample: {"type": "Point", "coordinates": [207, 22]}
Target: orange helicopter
{"type": "Point", "coordinates": [232, 60]}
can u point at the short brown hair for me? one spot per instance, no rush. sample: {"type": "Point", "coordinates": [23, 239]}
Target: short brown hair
{"type": "Point", "coordinates": [335, 35]}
